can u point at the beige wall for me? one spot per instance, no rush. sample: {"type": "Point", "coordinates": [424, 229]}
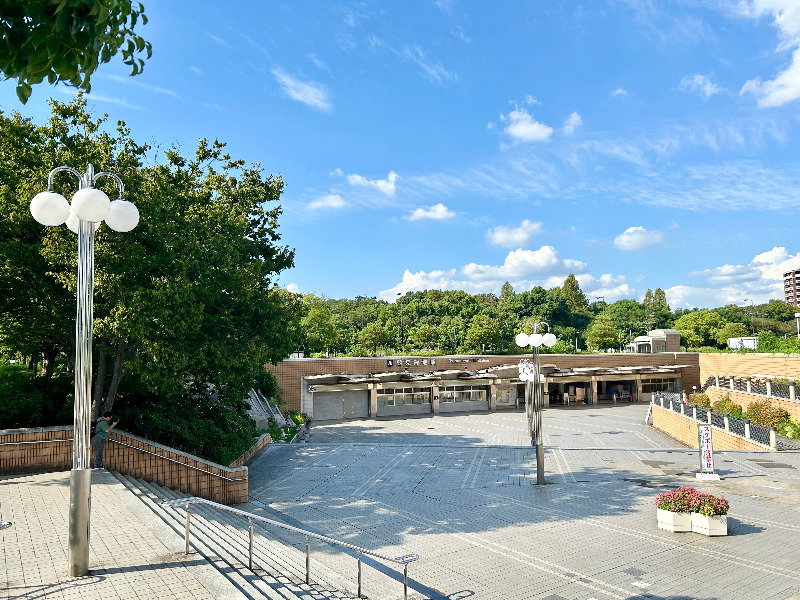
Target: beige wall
{"type": "Point", "coordinates": [289, 372]}
{"type": "Point", "coordinates": [684, 430]}
{"type": "Point", "coordinates": [744, 399]}
{"type": "Point", "coordinates": [747, 365]}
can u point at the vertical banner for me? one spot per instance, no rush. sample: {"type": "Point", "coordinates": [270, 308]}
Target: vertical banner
{"type": "Point", "coordinates": [706, 448]}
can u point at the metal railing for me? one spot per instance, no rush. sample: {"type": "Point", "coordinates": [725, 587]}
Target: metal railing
{"type": "Point", "coordinates": [186, 502]}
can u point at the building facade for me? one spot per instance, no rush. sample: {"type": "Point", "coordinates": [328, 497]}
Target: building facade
{"type": "Point", "coordinates": [791, 283]}
{"type": "Point", "coordinates": [352, 388]}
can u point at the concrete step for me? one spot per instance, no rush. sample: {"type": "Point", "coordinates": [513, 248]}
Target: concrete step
{"type": "Point", "coordinates": [221, 537]}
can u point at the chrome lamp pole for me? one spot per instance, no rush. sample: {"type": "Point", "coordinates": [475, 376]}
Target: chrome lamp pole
{"type": "Point", "coordinates": [534, 394]}
{"type": "Point", "coordinates": [90, 206]}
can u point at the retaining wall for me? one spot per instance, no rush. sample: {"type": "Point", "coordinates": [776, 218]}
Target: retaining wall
{"type": "Point", "coordinates": [684, 429]}
{"type": "Point", "coordinates": [744, 399]}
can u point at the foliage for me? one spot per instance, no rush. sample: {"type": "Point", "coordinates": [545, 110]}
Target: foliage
{"type": "Point", "coordinates": [28, 401]}
{"type": "Point", "coordinates": [769, 342]}
{"type": "Point", "coordinates": [790, 429]}
{"type": "Point", "coordinates": [730, 330]}
{"type": "Point", "coordinates": [297, 418]}
{"type": "Point", "coordinates": [728, 406]}
{"type": "Point", "coordinates": [765, 414]}
{"type": "Point", "coordinates": [483, 334]}
{"type": "Point", "coordinates": [688, 499]}
{"type": "Point", "coordinates": [573, 295]}
{"type": "Point", "coordinates": [601, 333]}
{"type": "Point", "coordinates": [699, 328]}
{"type": "Point", "coordinates": [66, 40]}
{"type": "Point", "coordinates": [700, 399]}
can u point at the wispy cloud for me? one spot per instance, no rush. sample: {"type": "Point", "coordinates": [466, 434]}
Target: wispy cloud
{"type": "Point", "coordinates": [310, 93]}
{"type": "Point", "coordinates": [431, 69]}
{"type": "Point", "coordinates": [571, 123]}
{"type": "Point", "coordinates": [196, 70]}
{"type": "Point", "coordinates": [386, 186]}
{"type": "Point", "coordinates": [513, 237]}
{"type": "Point", "coordinates": [91, 97]}
{"type": "Point", "coordinates": [702, 85]}
{"type": "Point", "coordinates": [638, 238]}
{"type": "Point", "coordinates": [437, 212]}
{"type": "Point", "coordinates": [317, 62]}
{"type": "Point", "coordinates": [136, 82]}
{"type": "Point", "coordinates": [619, 92]}
{"type": "Point", "coordinates": [218, 40]}
{"type": "Point", "coordinates": [327, 201]}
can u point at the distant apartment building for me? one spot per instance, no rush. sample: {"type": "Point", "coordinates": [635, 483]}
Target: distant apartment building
{"type": "Point", "coordinates": [791, 282]}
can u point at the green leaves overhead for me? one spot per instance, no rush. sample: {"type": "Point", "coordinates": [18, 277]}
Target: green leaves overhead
{"type": "Point", "coordinates": [66, 40]}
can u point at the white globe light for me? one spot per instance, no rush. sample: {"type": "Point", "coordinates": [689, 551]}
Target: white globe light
{"type": "Point", "coordinates": [536, 340]}
{"type": "Point", "coordinates": [49, 208]}
{"type": "Point", "coordinates": [91, 204]}
{"type": "Point", "coordinates": [74, 224]}
{"type": "Point", "coordinates": [122, 216]}
{"type": "Point", "coordinates": [522, 340]}
{"type": "Point", "coordinates": [549, 340]}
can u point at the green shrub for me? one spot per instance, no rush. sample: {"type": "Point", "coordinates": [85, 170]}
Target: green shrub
{"type": "Point", "coordinates": [296, 417]}
{"type": "Point", "coordinates": [766, 415]}
{"type": "Point", "coordinates": [700, 399]}
{"type": "Point", "coordinates": [28, 401]}
{"type": "Point", "coordinates": [790, 429]}
{"type": "Point", "coordinates": [726, 405]}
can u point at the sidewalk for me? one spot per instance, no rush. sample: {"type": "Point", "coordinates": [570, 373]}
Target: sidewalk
{"type": "Point", "coordinates": [130, 556]}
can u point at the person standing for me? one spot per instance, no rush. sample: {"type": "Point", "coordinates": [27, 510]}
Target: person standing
{"type": "Point", "coordinates": [101, 431]}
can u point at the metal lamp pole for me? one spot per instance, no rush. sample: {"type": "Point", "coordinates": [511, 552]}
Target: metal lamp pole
{"type": "Point", "coordinates": [534, 393]}
{"type": "Point", "coordinates": [89, 208]}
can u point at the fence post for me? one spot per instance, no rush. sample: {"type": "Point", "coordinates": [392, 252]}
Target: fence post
{"type": "Point", "coordinates": [747, 428]}
{"type": "Point", "coordinates": [694, 413]}
{"type": "Point", "coordinates": [792, 392]}
{"type": "Point", "coordinates": [670, 405]}
{"type": "Point", "coordinates": [716, 380]}
{"type": "Point", "coordinates": [749, 385]}
{"type": "Point", "coordinates": [769, 388]}
{"type": "Point", "coordinates": [727, 423]}
{"type": "Point", "coordinates": [732, 382]}
{"type": "Point", "coordinates": [773, 438]}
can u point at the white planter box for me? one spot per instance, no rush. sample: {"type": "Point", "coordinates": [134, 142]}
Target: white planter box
{"type": "Point", "coordinates": [672, 521]}
{"type": "Point", "coordinates": [716, 525]}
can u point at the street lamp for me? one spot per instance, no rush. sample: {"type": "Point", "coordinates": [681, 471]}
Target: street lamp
{"type": "Point", "coordinates": [534, 394]}
{"type": "Point", "coordinates": [90, 206]}
{"type": "Point", "coordinates": [402, 336]}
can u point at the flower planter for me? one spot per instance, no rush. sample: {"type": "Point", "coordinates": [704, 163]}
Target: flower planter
{"type": "Point", "coordinates": [674, 521]}
{"type": "Point", "coordinates": [714, 525]}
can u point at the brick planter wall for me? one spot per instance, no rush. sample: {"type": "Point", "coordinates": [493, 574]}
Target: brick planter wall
{"type": "Point", "coordinates": [50, 449]}
{"type": "Point", "coordinates": [684, 429]}
{"type": "Point", "coordinates": [744, 399]}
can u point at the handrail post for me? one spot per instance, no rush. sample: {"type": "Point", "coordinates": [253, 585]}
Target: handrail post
{"type": "Point", "coordinates": [359, 574]}
{"type": "Point", "coordinates": [405, 581]}
{"type": "Point", "coordinates": [186, 533]}
{"type": "Point", "coordinates": [250, 563]}
{"type": "Point", "coordinates": [308, 560]}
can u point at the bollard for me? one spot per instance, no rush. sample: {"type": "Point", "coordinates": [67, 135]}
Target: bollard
{"type": "Point", "coordinates": [749, 385]}
{"type": "Point", "coordinates": [359, 575]}
{"type": "Point", "coordinates": [308, 560]}
{"type": "Point", "coordinates": [250, 561]}
{"type": "Point", "coordinates": [186, 533]}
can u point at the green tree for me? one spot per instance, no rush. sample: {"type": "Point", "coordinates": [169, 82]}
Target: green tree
{"type": "Point", "coordinates": [601, 333]}
{"type": "Point", "coordinates": [648, 299]}
{"type": "Point", "coordinates": [425, 336]}
{"type": "Point", "coordinates": [373, 336]}
{"type": "Point", "coordinates": [483, 334]}
{"type": "Point", "coordinates": [66, 40]}
{"type": "Point", "coordinates": [573, 295]}
{"type": "Point", "coordinates": [730, 330]}
{"type": "Point", "coordinates": [317, 324]}
{"type": "Point", "coordinates": [660, 300]}
{"type": "Point", "coordinates": [700, 327]}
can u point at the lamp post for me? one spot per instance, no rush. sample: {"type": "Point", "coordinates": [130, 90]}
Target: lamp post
{"type": "Point", "coordinates": [534, 394]}
{"type": "Point", "coordinates": [89, 207]}
{"type": "Point", "coordinates": [402, 335]}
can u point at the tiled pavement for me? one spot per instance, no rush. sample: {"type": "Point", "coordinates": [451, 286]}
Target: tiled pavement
{"type": "Point", "coordinates": [459, 491]}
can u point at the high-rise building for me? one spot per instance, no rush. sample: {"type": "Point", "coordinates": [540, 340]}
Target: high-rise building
{"type": "Point", "coordinates": [791, 283]}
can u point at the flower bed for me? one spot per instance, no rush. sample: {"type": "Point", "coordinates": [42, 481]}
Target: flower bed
{"type": "Point", "coordinates": [688, 509]}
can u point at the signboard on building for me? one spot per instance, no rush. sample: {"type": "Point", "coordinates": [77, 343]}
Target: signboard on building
{"type": "Point", "coordinates": [410, 361]}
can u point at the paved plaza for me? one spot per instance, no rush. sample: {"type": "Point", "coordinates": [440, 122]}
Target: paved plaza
{"type": "Point", "coordinates": [460, 492]}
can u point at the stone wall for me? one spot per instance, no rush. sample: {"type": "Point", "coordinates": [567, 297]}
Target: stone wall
{"type": "Point", "coordinates": [684, 429]}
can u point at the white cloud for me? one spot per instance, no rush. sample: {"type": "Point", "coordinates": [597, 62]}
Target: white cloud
{"type": "Point", "coordinates": [619, 92]}
{"type": "Point", "coordinates": [196, 70]}
{"type": "Point", "coordinates": [145, 86]}
{"type": "Point", "coordinates": [531, 100]}
{"type": "Point", "coordinates": [311, 93]}
{"type": "Point", "coordinates": [638, 238]}
{"type": "Point", "coordinates": [293, 288]}
{"type": "Point", "coordinates": [437, 212]}
{"type": "Point", "coordinates": [522, 127]}
{"type": "Point", "coordinates": [386, 186]}
{"type": "Point", "coordinates": [98, 98]}
{"type": "Point", "coordinates": [700, 85]}
{"type": "Point", "coordinates": [432, 70]}
{"type": "Point", "coordinates": [328, 201]}
{"type": "Point", "coordinates": [511, 237]}
{"type": "Point", "coordinates": [525, 263]}
{"type": "Point", "coordinates": [317, 62]}
{"type": "Point", "coordinates": [571, 123]}
{"type": "Point", "coordinates": [759, 281]}
{"type": "Point", "coordinates": [785, 86]}
{"type": "Point", "coordinates": [218, 40]}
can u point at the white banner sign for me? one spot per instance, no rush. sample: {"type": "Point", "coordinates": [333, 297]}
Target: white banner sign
{"type": "Point", "coordinates": [706, 448]}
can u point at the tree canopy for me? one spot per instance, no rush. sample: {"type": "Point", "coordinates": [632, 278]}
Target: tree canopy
{"type": "Point", "coordinates": [66, 40]}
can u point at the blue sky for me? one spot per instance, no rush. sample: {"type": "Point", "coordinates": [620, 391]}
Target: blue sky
{"type": "Point", "coordinates": [457, 145]}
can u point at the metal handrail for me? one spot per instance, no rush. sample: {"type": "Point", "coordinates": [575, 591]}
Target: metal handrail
{"type": "Point", "coordinates": [401, 560]}
{"type": "Point", "coordinates": [177, 462]}
{"type": "Point", "coordinates": [36, 442]}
